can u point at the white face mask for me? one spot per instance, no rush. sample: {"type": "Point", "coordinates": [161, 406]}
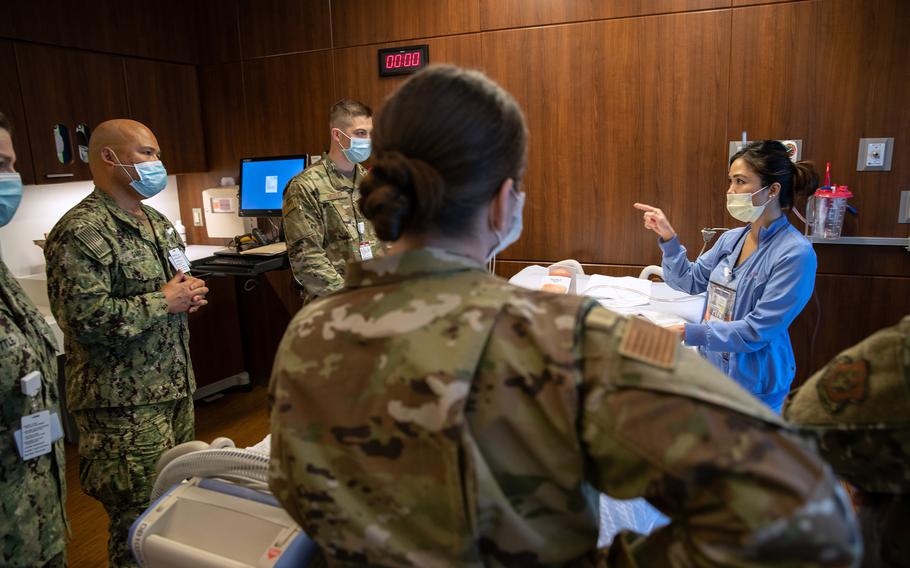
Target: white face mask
{"type": "Point", "coordinates": [741, 208]}
{"type": "Point", "coordinates": [514, 231]}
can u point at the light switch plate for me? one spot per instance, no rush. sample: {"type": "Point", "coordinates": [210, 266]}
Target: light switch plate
{"type": "Point", "coordinates": [903, 214]}
{"type": "Point", "coordinates": [197, 216]}
{"type": "Point", "coordinates": [874, 154]}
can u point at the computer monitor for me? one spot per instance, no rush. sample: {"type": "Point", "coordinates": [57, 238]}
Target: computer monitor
{"type": "Point", "coordinates": [262, 182]}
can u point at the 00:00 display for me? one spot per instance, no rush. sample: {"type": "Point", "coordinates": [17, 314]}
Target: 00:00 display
{"type": "Point", "coordinates": [399, 60]}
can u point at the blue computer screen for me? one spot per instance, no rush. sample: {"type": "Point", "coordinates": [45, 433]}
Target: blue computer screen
{"type": "Point", "coordinates": [262, 182]}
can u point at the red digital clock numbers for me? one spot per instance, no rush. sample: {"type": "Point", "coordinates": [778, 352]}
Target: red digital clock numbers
{"type": "Point", "coordinates": [403, 60]}
{"type": "Point", "coordinates": [399, 61]}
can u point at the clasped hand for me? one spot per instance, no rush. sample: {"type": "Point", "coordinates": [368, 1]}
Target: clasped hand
{"type": "Point", "coordinates": [184, 293]}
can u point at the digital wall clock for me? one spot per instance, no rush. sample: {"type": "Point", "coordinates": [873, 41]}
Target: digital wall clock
{"type": "Point", "coordinates": [403, 60]}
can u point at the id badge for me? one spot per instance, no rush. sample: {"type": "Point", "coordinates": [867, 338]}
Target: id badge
{"type": "Point", "coordinates": [366, 251]}
{"type": "Point", "coordinates": [35, 435]}
{"type": "Point", "coordinates": [179, 260]}
{"type": "Point", "coordinates": [720, 303]}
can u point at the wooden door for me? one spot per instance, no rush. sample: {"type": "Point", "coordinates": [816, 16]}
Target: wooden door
{"type": "Point", "coordinates": [72, 88]}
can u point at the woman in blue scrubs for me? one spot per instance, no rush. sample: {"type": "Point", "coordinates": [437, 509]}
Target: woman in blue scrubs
{"type": "Point", "coordinates": [758, 277]}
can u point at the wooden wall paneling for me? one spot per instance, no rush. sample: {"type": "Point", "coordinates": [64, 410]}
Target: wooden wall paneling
{"type": "Point", "coordinates": [266, 307]}
{"type": "Point", "coordinates": [189, 194]}
{"type": "Point", "coordinates": [863, 79]}
{"type": "Point", "coordinates": [273, 27]}
{"type": "Point", "coordinates": [218, 35]}
{"type": "Point", "coordinates": [856, 260]}
{"type": "Point", "coordinates": [70, 87]}
{"type": "Point", "coordinates": [359, 22]}
{"type": "Point", "coordinates": [867, 303]}
{"type": "Point", "coordinates": [165, 97]}
{"type": "Point", "coordinates": [772, 91]}
{"type": "Point", "coordinates": [502, 14]}
{"type": "Point", "coordinates": [739, 3]}
{"type": "Point", "coordinates": [215, 346]}
{"type": "Point", "coordinates": [597, 97]}
{"type": "Point", "coordinates": [166, 31]}
{"type": "Point", "coordinates": [357, 73]}
{"type": "Point", "coordinates": [287, 100]}
{"type": "Point", "coordinates": [224, 123]}
{"type": "Point", "coordinates": [223, 116]}
{"type": "Point", "coordinates": [11, 106]}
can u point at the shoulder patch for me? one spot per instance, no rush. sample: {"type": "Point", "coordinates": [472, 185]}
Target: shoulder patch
{"type": "Point", "coordinates": [845, 380]}
{"type": "Point", "coordinates": [649, 343]}
{"type": "Point", "coordinates": [96, 246]}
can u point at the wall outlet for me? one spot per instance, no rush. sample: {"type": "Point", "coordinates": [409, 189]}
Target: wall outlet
{"type": "Point", "coordinates": [874, 154]}
{"type": "Point", "coordinates": [903, 214]}
{"type": "Point", "coordinates": [197, 216]}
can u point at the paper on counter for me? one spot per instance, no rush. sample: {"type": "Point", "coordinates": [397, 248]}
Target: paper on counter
{"type": "Point", "coordinates": [618, 292]}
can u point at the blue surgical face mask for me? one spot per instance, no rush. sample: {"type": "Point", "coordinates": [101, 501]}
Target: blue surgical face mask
{"type": "Point", "coordinates": [514, 231]}
{"type": "Point", "coordinates": [10, 196]}
{"type": "Point", "coordinates": [152, 176]}
{"type": "Point", "coordinates": [359, 151]}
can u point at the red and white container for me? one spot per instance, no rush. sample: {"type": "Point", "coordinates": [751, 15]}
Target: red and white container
{"type": "Point", "coordinates": [827, 209]}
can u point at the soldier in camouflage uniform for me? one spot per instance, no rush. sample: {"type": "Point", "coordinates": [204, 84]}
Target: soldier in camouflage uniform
{"type": "Point", "coordinates": [859, 408]}
{"type": "Point", "coordinates": [323, 225]}
{"type": "Point", "coordinates": [33, 523]}
{"type": "Point", "coordinates": [115, 289]}
{"type": "Point", "coordinates": [431, 414]}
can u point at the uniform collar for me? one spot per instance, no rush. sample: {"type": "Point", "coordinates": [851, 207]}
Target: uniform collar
{"type": "Point", "coordinates": [407, 265]}
{"type": "Point", "coordinates": [119, 213]}
{"type": "Point", "coordinates": [340, 178]}
{"type": "Point", "coordinates": [766, 233]}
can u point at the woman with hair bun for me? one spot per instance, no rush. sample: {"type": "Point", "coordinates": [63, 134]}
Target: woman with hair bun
{"type": "Point", "coordinates": [758, 277]}
{"type": "Point", "coordinates": [431, 414]}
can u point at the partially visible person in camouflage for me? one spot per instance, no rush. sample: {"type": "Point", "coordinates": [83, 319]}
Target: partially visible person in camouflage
{"type": "Point", "coordinates": [431, 414]}
{"type": "Point", "coordinates": [859, 408]}
{"type": "Point", "coordinates": [33, 525]}
{"type": "Point", "coordinates": [323, 225]}
{"type": "Point", "coordinates": [115, 287]}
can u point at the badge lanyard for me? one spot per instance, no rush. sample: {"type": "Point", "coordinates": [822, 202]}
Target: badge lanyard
{"type": "Point", "coordinates": [177, 257]}
{"type": "Point", "coordinates": [366, 250]}
{"type": "Point", "coordinates": [722, 299]}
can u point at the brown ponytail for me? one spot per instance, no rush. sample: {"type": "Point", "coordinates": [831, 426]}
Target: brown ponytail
{"type": "Point", "coordinates": [443, 143]}
{"type": "Point", "coordinates": [400, 191]}
{"type": "Point", "coordinates": [805, 179]}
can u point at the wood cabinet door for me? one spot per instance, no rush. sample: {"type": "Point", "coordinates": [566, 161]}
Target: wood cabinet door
{"type": "Point", "coordinates": [11, 106]}
{"type": "Point", "coordinates": [72, 88]}
{"type": "Point", "coordinates": [165, 97]}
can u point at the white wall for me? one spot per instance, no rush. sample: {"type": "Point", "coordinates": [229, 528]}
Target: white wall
{"type": "Point", "coordinates": [41, 208]}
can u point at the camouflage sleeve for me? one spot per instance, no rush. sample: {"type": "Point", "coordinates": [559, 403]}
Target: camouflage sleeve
{"type": "Point", "coordinates": [79, 289]}
{"type": "Point", "coordinates": [305, 235]}
{"type": "Point", "coordinates": [740, 489]}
